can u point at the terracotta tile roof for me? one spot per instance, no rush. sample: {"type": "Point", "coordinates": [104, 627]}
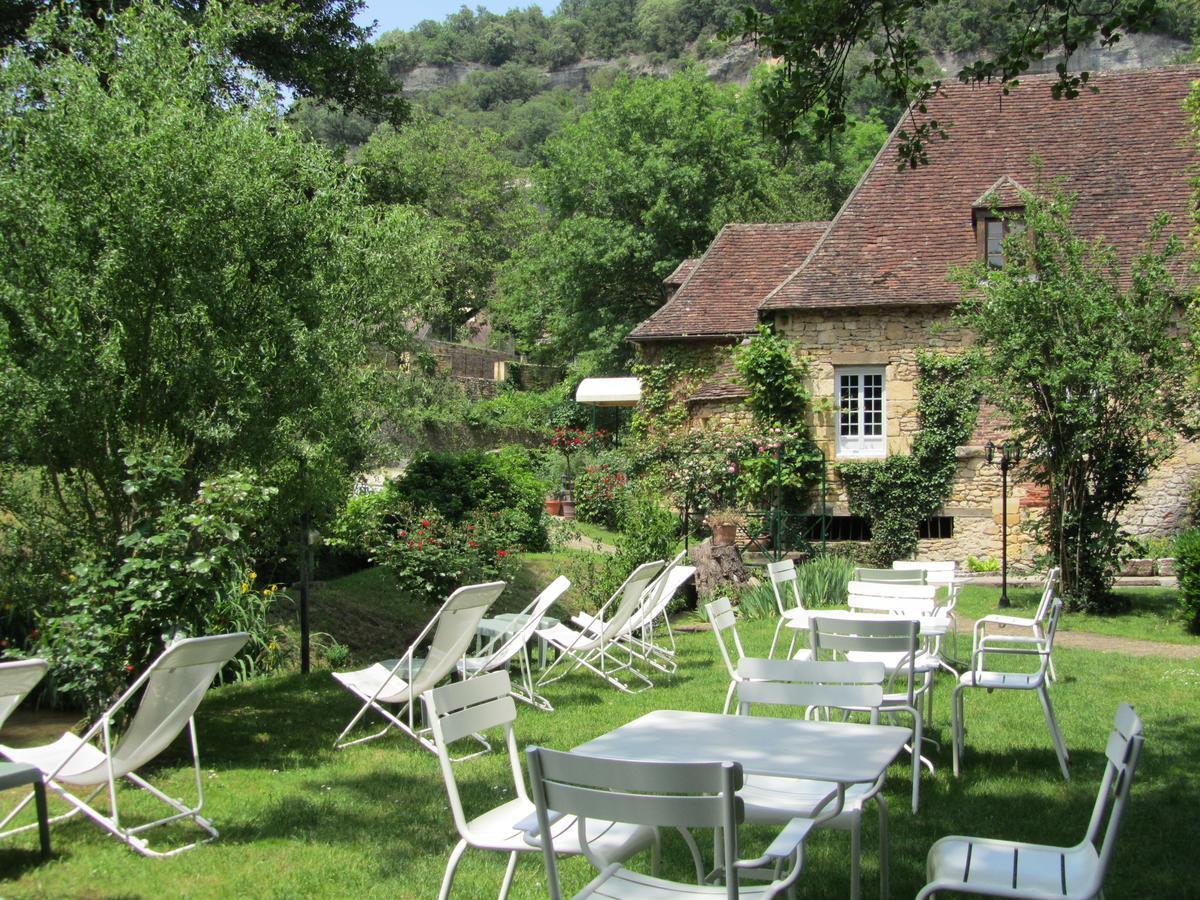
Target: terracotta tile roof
{"type": "Point", "coordinates": [1126, 151]}
{"type": "Point", "coordinates": [682, 271]}
{"type": "Point", "coordinates": [721, 295]}
{"type": "Point", "coordinates": [723, 384]}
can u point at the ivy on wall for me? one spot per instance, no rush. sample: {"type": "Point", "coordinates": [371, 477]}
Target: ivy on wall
{"type": "Point", "coordinates": [900, 492]}
{"type": "Point", "coordinates": [674, 373]}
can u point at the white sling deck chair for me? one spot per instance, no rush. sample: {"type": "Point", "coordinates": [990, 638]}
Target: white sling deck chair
{"type": "Point", "coordinates": [655, 600]}
{"type": "Point", "coordinates": [505, 649]}
{"type": "Point", "coordinates": [17, 679]}
{"type": "Point", "coordinates": [597, 650]}
{"type": "Point", "coordinates": [403, 680]}
{"type": "Point", "coordinates": [173, 686]}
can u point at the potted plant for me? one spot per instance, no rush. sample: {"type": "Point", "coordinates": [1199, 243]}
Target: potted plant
{"type": "Point", "coordinates": [724, 523]}
{"type": "Point", "coordinates": [553, 504]}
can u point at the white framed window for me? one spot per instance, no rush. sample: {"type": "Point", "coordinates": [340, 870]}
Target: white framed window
{"type": "Point", "coordinates": [861, 428]}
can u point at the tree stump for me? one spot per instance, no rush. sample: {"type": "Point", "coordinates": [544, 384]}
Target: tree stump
{"type": "Point", "coordinates": [716, 566]}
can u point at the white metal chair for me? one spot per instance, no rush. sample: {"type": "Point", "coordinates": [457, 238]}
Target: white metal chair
{"type": "Point", "coordinates": [941, 573]}
{"type": "Point", "coordinates": [889, 576]}
{"type": "Point", "coordinates": [815, 685]}
{"type": "Point", "coordinates": [980, 677]}
{"type": "Point", "coordinates": [469, 707]}
{"type": "Point", "coordinates": [17, 679]}
{"type": "Point", "coordinates": [678, 795]}
{"type": "Point", "coordinates": [504, 650]}
{"type": "Point", "coordinates": [782, 575]}
{"type": "Point", "coordinates": [603, 650]}
{"type": "Point", "coordinates": [403, 680]}
{"type": "Point", "coordinates": [1036, 625]}
{"type": "Point", "coordinates": [171, 689]}
{"type": "Point", "coordinates": [886, 640]}
{"type": "Point", "coordinates": [724, 622]}
{"type": "Point", "coordinates": [1014, 869]}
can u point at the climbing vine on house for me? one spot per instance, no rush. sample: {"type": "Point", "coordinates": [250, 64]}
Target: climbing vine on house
{"type": "Point", "coordinates": [780, 402]}
{"type": "Point", "coordinates": [666, 381]}
{"type": "Point", "coordinates": [897, 494]}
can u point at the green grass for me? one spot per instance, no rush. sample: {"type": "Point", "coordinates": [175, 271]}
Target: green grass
{"type": "Point", "coordinates": [598, 533]}
{"type": "Point", "coordinates": [300, 819]}
{"type": "Point", "coordinates": [1151, 615]}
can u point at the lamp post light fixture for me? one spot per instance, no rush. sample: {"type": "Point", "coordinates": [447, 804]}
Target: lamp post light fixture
{"type": "Point", "coordinates": [1009, 454]}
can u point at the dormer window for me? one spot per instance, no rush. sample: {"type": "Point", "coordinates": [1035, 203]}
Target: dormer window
{"type": "Point", "coordinates": [997, 215]}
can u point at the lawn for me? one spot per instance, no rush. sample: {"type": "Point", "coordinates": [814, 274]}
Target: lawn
{"type": "Point", "coordinates": [1151, 615]}
{"type": "Point", "coordinates": [299, 818]}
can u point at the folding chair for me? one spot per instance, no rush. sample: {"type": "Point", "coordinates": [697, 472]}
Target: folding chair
{"type": "Point", "coordinates": [1015, 869]}
{"type": "Point", "coordinates": [457, 710]}
{"type": "Point", "coordinates": [678, 795]}
{"type": "Point", "coordinates": [815, 686]}
{"type": "Point", "coordinates": [504, 650]}
{"type": "Point", "coordinates": [597, 650]}
{"type": "Point", "coordinates": [174, 685]}
{"type": "Point", "coordinates": [453, 628]}
{"type": "Point", "coordinates": [893, 642]}
{"type": "Point", "coordinates": [979, 677]}
{"type": "Point", "coordinates": [17, 679]}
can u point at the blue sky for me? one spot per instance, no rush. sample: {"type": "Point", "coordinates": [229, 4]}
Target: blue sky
{"type": "Point", "coordinates": [407, 13]}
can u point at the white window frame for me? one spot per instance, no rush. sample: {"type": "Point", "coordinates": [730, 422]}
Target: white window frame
{"type": "Point", "coordinates": [858, 444]}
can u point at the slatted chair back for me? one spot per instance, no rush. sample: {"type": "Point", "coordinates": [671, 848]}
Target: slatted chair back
{"type": "Point", "coordinates": [871, 634]}
{"type": "Point", "coordinates": [1122, 753]}
{"type": "Point", "coordinates": [658, 794]}
{"type": "Point", "coordinates": [469, 707]}
{"type": "Point", "coordinates": [17, 679]}
{"type": "Point", "coordinates": [784, 586]}
{"type": "Point", "coordinates": [1049, 592]}
{"type": "Point", "coordinates": [803, 683]}
{"type": "Point", "coordinates": [896, 599]}
{"type": "Point", "coordinates": [889, 576]}
{"type": "Point", "coordinates": [724, 625]}
{"type": "Point", "coordinates": [941, 573]}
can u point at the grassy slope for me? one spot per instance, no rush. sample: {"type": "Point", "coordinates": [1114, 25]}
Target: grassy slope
{"type": "Point", "coordinates": [1151, 615]}
{"type": "Point", "coordinates": [298, 818]}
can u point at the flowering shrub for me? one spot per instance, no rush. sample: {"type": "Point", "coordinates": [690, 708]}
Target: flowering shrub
{"type": "Point", "coordinates": [570, 440]}
{"type": "Point", "coordinates": [430, 556]}
{"type": "Point", "coordinates": [600, 491]}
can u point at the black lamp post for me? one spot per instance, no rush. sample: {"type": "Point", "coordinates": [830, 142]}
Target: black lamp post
{"type": "Point", "coordinates": [1010, 455]}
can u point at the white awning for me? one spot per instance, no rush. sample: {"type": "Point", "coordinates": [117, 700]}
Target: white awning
{"type": "Point", "coordinates": [609, 391]}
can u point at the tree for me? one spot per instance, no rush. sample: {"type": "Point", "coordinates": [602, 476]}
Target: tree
{"type": "Point", "coordinates": [815, 40]}
{"type": "Point", "coordinates": [179, 270]}
{"type": "Point", "coordinates": [475, 207]}
{"type": "Point", "coordinates": [643, 179]}
{"type": "Point", "coordinates": [1093, 376]}
{"type": "Point", "coordinates": [316, 48]}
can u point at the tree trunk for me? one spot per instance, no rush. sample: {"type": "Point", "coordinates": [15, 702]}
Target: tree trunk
{"type": "Point", "coordinates": [716, 566]}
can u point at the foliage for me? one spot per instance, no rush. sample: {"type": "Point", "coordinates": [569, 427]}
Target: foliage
{"type": "Point", "coordinates": [673, 373]}
{"type": "Point", "coordinates": [815, 42]}
{"type": "Point", "coordinates": [176, 267]}
{"type": "Point", "coordinates": [183, 568]}
{"type": "Point", "coordinates": [644, 178]}
{"type": "Point", "coordinates": [754, 600]}
{"type": "Point", "coordinates": [469, 199]}
{"type": "Point", "coordinates": [823, 580]}
{"type": "Point", "coordinates": [600, 493]}
{"type": "Point", "coordinates": [982, 564]}
{"type": "Point", "coordinates": [429, 555]}
{"type": "Point", "coordinates": [1187, 571]}
{"type": "Point", "coordinates": [315, 47]}
{"type": "Point", "coordinates": [778, 383]}
{"type": "Point", "coordinates": [898, 493]}
{"type": "Point", "coordinates": [1093, 416]}
{"type": "Point", "coordinates": [461, 485]}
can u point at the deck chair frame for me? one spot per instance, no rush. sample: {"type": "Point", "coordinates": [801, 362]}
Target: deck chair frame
{"type": "Point", "coordinates": [218, 650]}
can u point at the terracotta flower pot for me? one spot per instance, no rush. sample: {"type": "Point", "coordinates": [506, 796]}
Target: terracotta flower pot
{"type": "Point", "coordinates": [724, 534]}
{"type": "Point", "coordinates": [553, 506]}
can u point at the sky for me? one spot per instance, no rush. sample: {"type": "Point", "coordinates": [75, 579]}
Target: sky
{"type": "Point", "coordinates": [407, 13]}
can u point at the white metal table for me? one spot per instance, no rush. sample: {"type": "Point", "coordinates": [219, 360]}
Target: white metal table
{"type": "Point", "coordinates": [492, 632]}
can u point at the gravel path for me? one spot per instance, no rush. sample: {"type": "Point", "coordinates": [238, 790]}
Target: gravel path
{"type": "Point", "coordinates": [1107, 643]}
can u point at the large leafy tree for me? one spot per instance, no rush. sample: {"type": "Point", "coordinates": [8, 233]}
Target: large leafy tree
{"type": "Point", "coordinates": [1091, 368]}
{"type": "Point", "coordinates": [314, 47]}
{"type": "Point", "coordinates": [474, 204]}
{"type": "Point", "coordinates": [643, 179]}
{"type": "Point", "coordinates": [816, 40]}
{"type": "Point", "coordinates": [177, 268]}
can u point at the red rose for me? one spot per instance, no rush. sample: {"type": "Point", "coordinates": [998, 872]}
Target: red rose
{"type": "Point", "coordinates": [501, 553]}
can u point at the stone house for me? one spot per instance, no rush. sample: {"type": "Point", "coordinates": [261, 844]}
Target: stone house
{"type": "Point", "coordinates": [873, 289]}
